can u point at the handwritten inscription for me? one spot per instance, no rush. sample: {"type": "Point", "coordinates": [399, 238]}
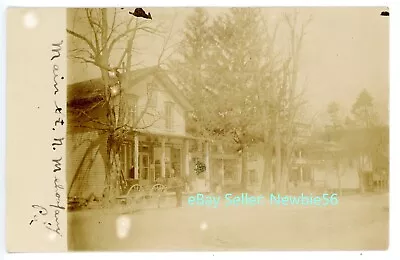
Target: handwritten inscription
{"type": "Point", "coordinates": [57, 142]}
{"type": "Point", "coordinates": [56, 48]}
{"type": "Point", "coordinates": [49, 216]}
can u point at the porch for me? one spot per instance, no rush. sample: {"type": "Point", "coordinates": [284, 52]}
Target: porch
{"type": "Point", "coordinates": [150, 157]}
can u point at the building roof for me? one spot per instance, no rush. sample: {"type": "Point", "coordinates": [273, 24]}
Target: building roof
{"type": "Point", "coordinates": [86, 92]}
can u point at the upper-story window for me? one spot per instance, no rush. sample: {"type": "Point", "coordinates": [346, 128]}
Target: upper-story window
{"type": "Point", "coordinates": [153, 98]}
{"type": "Point", "coordinates": [252, 156]}
{"type": "Point", "coordinates": [169, 119]}
{"type": "Point", "coordinates": [131, 110]}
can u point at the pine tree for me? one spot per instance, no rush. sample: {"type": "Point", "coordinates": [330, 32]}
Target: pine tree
{"type": "Point", "coordinates": [363, 110]}
{"type": "Point", "coordinates": [218, 70]}
{"type": "Point", "coordinates": [236, 60]}
{"type": "Point", "coordinates": [190, 69]}
{"type": "Point", "coordinates": [365, 119]}
{"type": "Point", "coordinates": [333, 111]}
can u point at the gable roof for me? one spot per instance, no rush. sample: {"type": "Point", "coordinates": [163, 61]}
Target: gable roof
{"type": "Point", "coordinates": [89, 91]}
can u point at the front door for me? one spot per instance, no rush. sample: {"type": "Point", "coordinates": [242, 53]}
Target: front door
{"type": "Point", "coordinates": [176, 160]}
{"type": "Point", "coordinates": [144, 166]}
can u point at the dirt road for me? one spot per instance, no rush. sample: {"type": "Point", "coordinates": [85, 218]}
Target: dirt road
{"type": "Point", "coordinates": [356, 223]}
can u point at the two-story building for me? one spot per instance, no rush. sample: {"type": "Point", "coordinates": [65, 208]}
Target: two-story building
{"type": "Point", "coordinates": [157, 147]}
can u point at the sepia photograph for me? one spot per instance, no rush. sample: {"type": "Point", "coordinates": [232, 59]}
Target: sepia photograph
{"type": "Point", "coordinates": [227, 129]}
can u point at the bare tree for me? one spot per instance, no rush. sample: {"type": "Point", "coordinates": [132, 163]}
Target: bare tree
{"type": "Point", "coordinates": [289, 103]}
{"type": "Point", "coordinates": [268, 75]}
{"type": "Point", "coordinates": [111, 30]}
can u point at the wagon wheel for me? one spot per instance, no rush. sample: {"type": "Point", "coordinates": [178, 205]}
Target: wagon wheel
{"type": "Point", "coordinates": [134, 188]}
{"type": "Point", "coordinates": [158, 188]}
{"type": "Point", "coordinates": [132, 193]}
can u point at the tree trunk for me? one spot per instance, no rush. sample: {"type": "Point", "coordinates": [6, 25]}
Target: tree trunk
{"type": "Point", "coordinates": [278, 161]}
{"type": "Point", "coordinates": [361, 180]}
{"type": "Point", "coordinates": [266, 185]}
{"type": "Point", "coordinates": [361, 173]}
{"type": "Point", "coordinates": [113, 185]}
{"type": "Point", "coordinates": [284, 182]}
{"type": "Point", "coordinates": [244, 179]}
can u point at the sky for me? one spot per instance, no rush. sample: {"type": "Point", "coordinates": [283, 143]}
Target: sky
{"type": "Point", "coordinates": [345, 50]}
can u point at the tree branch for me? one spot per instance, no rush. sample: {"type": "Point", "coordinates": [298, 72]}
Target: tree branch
{"type": "Point", "coordinates": [91, 23]}
{"type": "Point", "coordinates": [83, 38]}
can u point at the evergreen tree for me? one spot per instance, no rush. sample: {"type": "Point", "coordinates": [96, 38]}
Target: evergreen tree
{"type": "Point", "coordinates": [363, 110]}
{"type": "Point", "coordinates": [334, 114]}
{"type": "Point", "coordinates": [217, 70]}
{"type": "Point", "coordinates": [190, 69]}
{"type": "Point", "coordinates": [235, 62]}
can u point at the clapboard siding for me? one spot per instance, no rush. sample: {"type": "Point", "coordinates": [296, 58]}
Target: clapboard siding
{"type": "Point", "coordinates": [86, 165]}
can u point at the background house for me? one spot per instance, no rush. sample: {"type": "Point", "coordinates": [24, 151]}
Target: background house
{"type": "Point", "coordinates": [320, 163]}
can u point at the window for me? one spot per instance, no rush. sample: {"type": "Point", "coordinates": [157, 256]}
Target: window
{"type": "Point", "coordinates": [153, 97]}
{"type": "Point", "coordinates": [144, 166]}
{"type": "Point", "coordinates": [252, 156]}
{"type": "Point", "coordinates": [169, 115]}
{"type": "Point", "coordinates": [229, 170]}
{"type": "Point", "coordinates": [127, 160]}
{"type": "Point", "coordinates": [131, 114]}
{"type": "Point", "coordinates": [253, 177]}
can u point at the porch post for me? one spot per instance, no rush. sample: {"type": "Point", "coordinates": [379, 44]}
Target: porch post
{"type": "Point", "coordinates": [186, 157]}
{"type": "Point", "coordinates": [312, 175]}
{"type": "Point", "coordinates": [207, 163]}
{"type": "Point", "coordinates": [199, 146]}
{"type": "Point", "coordinates": [162, 157]}
{"type": "Point", "coordinates": [239, 170]}
{"type": "Point", "coordinates": [126, 160]}
{"type": "Point", "coordinates": [301, 173]}
{"type": "Point", "coordinates": [136, 156]}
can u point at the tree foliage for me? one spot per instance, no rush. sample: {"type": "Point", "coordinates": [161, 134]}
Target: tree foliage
{"type": "Point", "coordinates": [363, 110]}
{"type": "Point", "coordinates": [334, 114]}
{"type": "Point", "coordinates": [241, 91]}
{"type": "Point", "coordinates": [220, 61]}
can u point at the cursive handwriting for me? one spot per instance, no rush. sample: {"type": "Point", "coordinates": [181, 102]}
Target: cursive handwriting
{"type": "Point", "coordinates": [50, 216]}
{"type": "Point", "coordinates": [56, 48]}
{"type": "Point", "coordinates": [57, 187]}
{"type": "Point", "coordinates": [42, 211]}
{"type": "Point", "coordinates": [57, 164]}
{"type": "Point", "coordinates": [58, 109]}
{"type": "Point", "coordinates": [57, 206]}
{"type": "Point", "coordinates": [57, 142]}
{"type": "Point", "coordinates": [55, 76]}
